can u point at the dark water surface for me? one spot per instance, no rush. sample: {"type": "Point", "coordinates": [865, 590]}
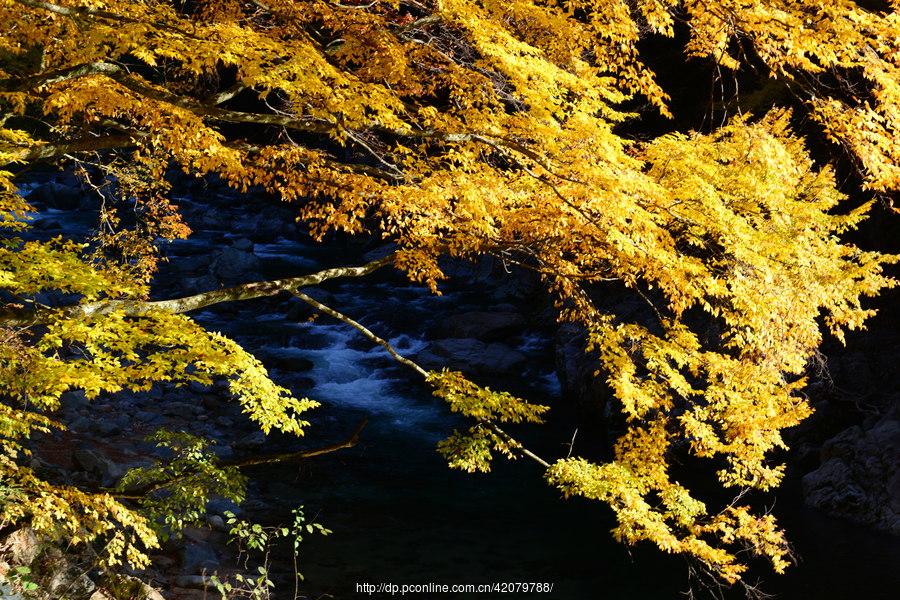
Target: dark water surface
{"type": "Point", "coordinates": [399, 515]}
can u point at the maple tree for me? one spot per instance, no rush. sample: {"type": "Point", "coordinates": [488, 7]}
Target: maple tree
{"type": "Point", "coordinates": [459, 128]}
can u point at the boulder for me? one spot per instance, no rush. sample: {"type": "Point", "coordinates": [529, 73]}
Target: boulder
{"type": "Point", "coordinates": [253, 441]}
{"type": "Point", "coordinates": [205, 535]}
{"type": "Point", "coordinates": [859, 477]}
{"type": "Point", "coordinates": [109, 426]}
{"type": "Point", "coordinates": [480, 325]}
{"type": "Point", "coordinates": [68, 581]}
{"type": "Point", "coordinates": [96, 463]}
{"type": "Point", "coordinates": [181, 410]}
{"type": "Point", "coordinates": [126, 586]}
{"type": "Point", "coordinates": [61, 195]}
{"type": "Point", "coordinates": [7, 592]}
{"type": "Point", "coordinates": [379, 252]}
{"type": "Point", "coordinates": [82, 424]}
{"type": "Point", "coordinates": [192, 264]}
{"type": "Point", "coordinates": [198, 557]}
{"type": "Point", "coordinates": [233, 264]}
{"type": "Point", "coordinates": [197, 285]}
{"type": "Point", "coordinates": [242, 244]}
{"type": "Point", "coordinates": [472, 357]}
{"type": "Point", "coordinates": [217, 523]}
{"type": "Point", "coordinates": [74, 399]}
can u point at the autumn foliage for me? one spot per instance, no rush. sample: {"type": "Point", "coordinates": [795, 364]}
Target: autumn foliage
{"type": "Point", "coordinates": [464, 128]}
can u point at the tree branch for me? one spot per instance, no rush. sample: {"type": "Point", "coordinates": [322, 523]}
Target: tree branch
{"type": "Point", "coordinates": [20, 84]}
{"type": "Point", "coordinates": [48, 151]}
{"type": "Point", "coordinates": [136, 308]}
{"type": "Point", "coordinates": [299, 454]}
{"type": "Point", "coordinates": [84, 12]}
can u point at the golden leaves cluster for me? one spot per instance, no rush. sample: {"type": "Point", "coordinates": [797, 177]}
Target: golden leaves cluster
{"type": "Point", "coordinates": [473, 127]}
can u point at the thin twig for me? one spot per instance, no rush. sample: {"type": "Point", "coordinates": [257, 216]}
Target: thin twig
{"type": "Point", "coordinates": [141, 493]}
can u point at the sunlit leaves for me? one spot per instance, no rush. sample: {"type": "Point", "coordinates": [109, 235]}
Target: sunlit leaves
{"type": "Point", "coordinates": [467, 128]}
{"type": "Point", "coordinates": [473, 450]}
{"type": "Point", "coordinates": [481, 403]}
{"type": "Point", "coordinates": [175, 491]}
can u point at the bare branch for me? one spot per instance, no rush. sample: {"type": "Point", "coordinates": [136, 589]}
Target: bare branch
{"type": "Point", "coordinates": [299, 454]}
{"type": "Point", "coordinates": [136, 308]}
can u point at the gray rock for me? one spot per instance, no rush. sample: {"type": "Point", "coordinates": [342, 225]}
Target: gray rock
{"type": "Point", "coordinates": [576, 372]}
{"type": "Point", "coordinates": [162, 561]}
{"type": "Point", "coordinates": [82, 424]}
{"type": "Point", "coordinates": [217, 523]}
{"type": "Point", "coordinates": [219, 506]}
{"type": "Point", "coordinates": [233, 264]}
{"type": "Point", "coordinates": [192, 264]}
{"type": "Point", "coordinates": [58, 195]}
{"type": "Point", "coordinates": [75, 400]}
{"type": "Point", "coordinates": [182, 410]}
{"type": "Point", "coordinates": [94, 462]}
{"type": "Point", "coordinates": [832, 486]}
{"type": "Point", "coordinates": [243, 244]}
{"type": "Point", "coordinates": [204, 535]}
{"type": "Point", "coordinates": [267, 223]}
{"type": "Point", "coordinates": [107, 427]}
{"type": "Point", "coordinates": [213, 401]}
{"type": "Point", "coordinates": [7, 593]}
{"type": "Point", "coordinates": [472, 356]}
{"type": "Point", "coordinates": [151, 593]}
{"type": "Point", "coordinates": [843, 445]}
{"type": "Point", "coordinates": [859, 477]}
{"type": "Point", "coordinates": [481, 325]}
{"type": "Point", "coordinates": [204, 283]}
{"type": "Point", "coordinates": [147, 416]}
{"type": "Point", "coordinates": [123, 419]}
{"type": "Point", "coordinates": [222, 451]}
{"type": "Point", "coordinates": [47, 225]}
{"type": "Point", "coordinates": [197, 387]}
{"type": "Point", "coordinates": [215, 219]}
{"type": "Point", "coordinates": [379, 252]}
{"type": "Point", "coordinates": [196, 557]}
{"type": "Point", "coordinates": [253, 441]}
{"type": "Point", "coordinates": [197, 582]}
{"type": "Point", "coordinates": [69, 582]}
